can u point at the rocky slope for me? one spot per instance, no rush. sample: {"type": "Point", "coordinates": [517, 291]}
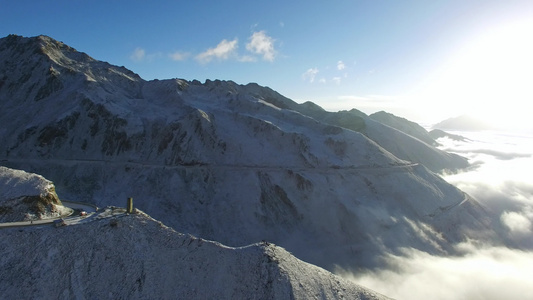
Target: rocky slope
{"type": "Point", "coordinates": [136, 257]}
{"type": "Point", "coordinates": [227, 162]}
{"type": "Point", "coordinates": [403, 138]}
{"type": "Point", "coordinates": [404, 125]}
{"type": "Point", "coordinates": [413, 149]}
{"type": "Point", "coordinates": [26, 196]}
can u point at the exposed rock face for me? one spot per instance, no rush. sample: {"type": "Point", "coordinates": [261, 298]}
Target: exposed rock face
{"type": "Point", "coordinates": [228, 162]}
{"type": "Point", "coordinates": [25, 196]}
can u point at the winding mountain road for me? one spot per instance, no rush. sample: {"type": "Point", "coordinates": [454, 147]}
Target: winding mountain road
{"type": "Point", "coordinates": [90, 209]}
{"type": "Point", "coordinates": [148, 164]}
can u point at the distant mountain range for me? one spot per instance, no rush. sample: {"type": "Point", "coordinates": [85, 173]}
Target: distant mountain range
{"type": "Point", "coordinates": [437, 134]}
{"type": "Point", "coordinates": [232, 163]}
{"type": "Point", "coordinates": [404, 125]}
{"type": "Point", "coordinates": [463, 123]}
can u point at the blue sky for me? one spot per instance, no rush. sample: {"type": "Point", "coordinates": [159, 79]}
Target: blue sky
{"type": "Point", "coordinates": [406, 57]}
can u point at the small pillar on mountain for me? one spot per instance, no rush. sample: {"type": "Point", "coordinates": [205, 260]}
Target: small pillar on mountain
{"type": "Point", "coordinates": [129, 208]}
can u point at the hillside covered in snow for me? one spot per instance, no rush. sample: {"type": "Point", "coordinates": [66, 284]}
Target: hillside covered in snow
{"type": "Point", "coordinates": [227, 162]}
{"type": "Point", "coordinates": [26, 196]}
{"type": "Point", "coordinates": [119, 256]}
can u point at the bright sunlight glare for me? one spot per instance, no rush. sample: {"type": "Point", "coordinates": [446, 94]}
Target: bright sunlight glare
{"type": "Point", "coordinates": [489, 78]}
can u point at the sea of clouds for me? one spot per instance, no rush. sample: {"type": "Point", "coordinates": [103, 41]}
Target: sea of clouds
{"type": "Point", "coordinates": [500, 179]}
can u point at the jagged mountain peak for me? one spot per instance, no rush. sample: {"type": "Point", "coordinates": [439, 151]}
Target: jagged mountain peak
{"type": "Point", "coordinates": [56, 51]}
{"type": "Point", "coordinates": [40, 66]}
{"type": "Point", "coordinates": [312, 106]}
{"type": "Point", "coordinates": [254, 91]}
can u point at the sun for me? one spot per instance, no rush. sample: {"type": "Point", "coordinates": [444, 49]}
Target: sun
{"type": "Point", "coordinates": [491, 77]}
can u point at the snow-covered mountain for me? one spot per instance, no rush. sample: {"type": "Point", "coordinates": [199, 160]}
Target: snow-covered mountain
{"type": "Point", "coordinates": [232, 163]}
{"type": "Point", "coordinates": [401, 137]}
{"type": "Point", "coordinates": [409, 148]}
{"type": "Point", "coordinates": [437, 134]}
{"type": "Point", "coordinates": [113, 255]}
{"type": "Point", "coordinates": [26, 196]}
{"type": "Point", "coordinates": [404, 125]}
{"type": "Point", "coordinates": [81, 260]}
{"type": "Point", "coordinates": [464, 123]}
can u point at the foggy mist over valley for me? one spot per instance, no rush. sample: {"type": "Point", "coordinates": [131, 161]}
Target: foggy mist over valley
{"type": "Point", "coordinates": [498, 177]}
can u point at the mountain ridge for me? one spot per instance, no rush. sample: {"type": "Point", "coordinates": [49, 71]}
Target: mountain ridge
{"type": "Point", "coordinates": [155, 261]}
{"type": "Point", "coordinates": [104, 134]}
{"type": "Point", "coordinates": [463, 123]}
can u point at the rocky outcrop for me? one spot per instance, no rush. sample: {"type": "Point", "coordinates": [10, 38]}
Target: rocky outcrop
{"type": "Point", "coordinates": [26, 196]}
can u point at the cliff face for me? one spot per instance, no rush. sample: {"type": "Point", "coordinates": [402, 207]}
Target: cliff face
{"type": "Point", "coordinates": [228, 162]}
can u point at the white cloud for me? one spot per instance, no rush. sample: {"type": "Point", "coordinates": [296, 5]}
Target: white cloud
{"type": "Point", "coordinates": [179, 56]}
{"type": "Point", "coordinates": [516, 222]}
{"type": "Point", "coordinates": [337, 80]}
{"type": "Point", "coordinates": [482, 273]}
{"type": "Point", "coordinates": [310, 74]}
{"type": "Point", "coordinates": [262, 44]}
{"type": "Point", "coordinates": [138, 54]}
{"type": "Point", "coordinates": [340, 65]}
{"type": "Point", "coordinates": [224, 50]}
{"type": "Point", "coordinates": [500, 180]}
{"type": "Point", "coordinates": [247, 58]}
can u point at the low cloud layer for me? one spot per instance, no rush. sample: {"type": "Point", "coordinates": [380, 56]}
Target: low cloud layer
{"type": "Point", "coordinates": [481, 274]}
{"type": "Point", "coordinates": [499, 180]}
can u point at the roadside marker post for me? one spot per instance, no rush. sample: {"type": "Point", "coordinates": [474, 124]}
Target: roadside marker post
{"type": "Point", "coordinates": [129, 209]}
